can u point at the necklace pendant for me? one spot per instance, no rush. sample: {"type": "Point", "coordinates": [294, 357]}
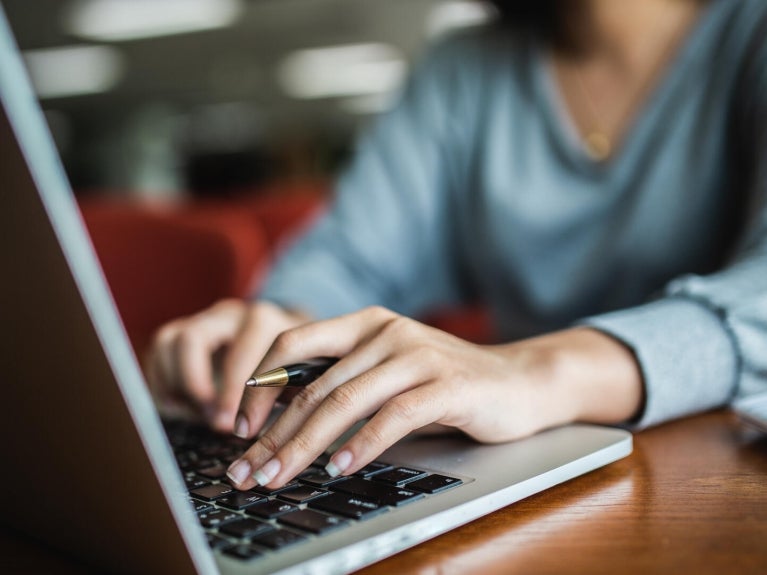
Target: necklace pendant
{"type": "Point", "coordinates": [598, 146]}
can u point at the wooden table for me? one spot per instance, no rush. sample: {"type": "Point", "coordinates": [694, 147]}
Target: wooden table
{"type": "Point", "coordinates": [692, 498]}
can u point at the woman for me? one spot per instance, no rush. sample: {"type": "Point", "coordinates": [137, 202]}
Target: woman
{"type": "Point", "coordinates": [593, 172]}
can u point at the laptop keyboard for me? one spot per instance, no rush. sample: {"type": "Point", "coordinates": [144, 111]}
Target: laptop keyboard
{"type": "Point", "coordinates": [249, 524]}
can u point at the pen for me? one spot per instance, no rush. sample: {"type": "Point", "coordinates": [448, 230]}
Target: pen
{"type": "Point", "coordinates": [296, 374]}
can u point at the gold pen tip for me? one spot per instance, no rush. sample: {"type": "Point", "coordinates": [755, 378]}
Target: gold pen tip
{"type": "Point", "coordinates": [274, 378]}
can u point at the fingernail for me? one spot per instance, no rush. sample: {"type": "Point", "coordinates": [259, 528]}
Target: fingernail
{"type": "Point", "coordinates": [241, 427]}
{"type": "Point", "coordinates": [338, 463]}
{"type": "Point", "coordinates": [238, 471]}
{"type": "Point", "coordinates": [268, 472]}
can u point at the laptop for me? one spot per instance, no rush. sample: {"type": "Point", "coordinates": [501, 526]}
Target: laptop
{"type": "Point", "coordinates": [89, 468]}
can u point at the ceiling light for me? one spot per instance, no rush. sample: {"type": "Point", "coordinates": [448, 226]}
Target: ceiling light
{"type": "Point", "coordinates": [73, 70]}
{"type": "Point", "coordinates": [455, 14]}
{"type": "Point", "coordinates": [349, 70]}
{"type": "Point", "coordinates": [117, 20]}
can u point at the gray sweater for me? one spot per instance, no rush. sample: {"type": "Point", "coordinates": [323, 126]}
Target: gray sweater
{"type": "Point", "coordinates": [476, 187]}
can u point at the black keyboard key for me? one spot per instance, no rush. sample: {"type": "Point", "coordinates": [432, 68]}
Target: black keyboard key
{"type": "Point", "coordinates": [270, 509]}
{"type": "Point", "coordinates": [200, 506]}
{"type": "Point", "coordinates": [194, 482]}
{"type": "Point", "coordinates": [434, 483]}
{"type": "Point", "coordinates": [244, 552]}
{"type": "Point", "coordinates": [399, 476]}
{"type": "Point", "coordinates": [312, 521]}
{"type": "Point", "coordinates": [217, 471]}
{"type": "Point", "coordinates": [245, 528]}
{"type": "Point", "coordinates": [239, 500]}
{"type": "Point", "coordinates": [322, 460]}
{"type": "Point", "coordinates": [319, 478]}
{"type": "Point", "coordinates": [373, 467]}
{"type": "Point", "coordinates": [212, 492]}
{"type": "Point", "coordinates": [278, 539]}
{"type": "Point", "coordinates": [186, 463]}
{"type": "Point", "coordinates": [348, 505]}
{"type": "Point", "coordinates": [311, 470]}
{"type": "Point", "coordinates": [380, 492]}
{"type": "Point", "coordinates": [216, 450]}
{"type": "Point", "coordinates": [265, 491]}
{"type": "Point", "coordinates": [302, 494]}
{"type": "Point", "coordinates": [217, 517]}
{"type": "Point", "coordinates": [205, 463]}
{"type": "Point", "coordinates": [216, 541]}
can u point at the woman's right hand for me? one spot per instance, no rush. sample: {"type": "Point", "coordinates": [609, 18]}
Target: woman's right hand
{"type": "Point", "coordinates": [186, 353]}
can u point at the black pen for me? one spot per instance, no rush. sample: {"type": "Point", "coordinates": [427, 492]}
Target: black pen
{"type": "Point", "coordinates": [294, 375]}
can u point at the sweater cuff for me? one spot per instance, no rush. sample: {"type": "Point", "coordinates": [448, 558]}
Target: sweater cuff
{"type": "Point", "coordinates": [685, 350]}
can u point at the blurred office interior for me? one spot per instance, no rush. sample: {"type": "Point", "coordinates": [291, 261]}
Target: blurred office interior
{"type": "Point", "coordinates": [168, 99]}
{"type": "Point", "coordinates": [202, 136]}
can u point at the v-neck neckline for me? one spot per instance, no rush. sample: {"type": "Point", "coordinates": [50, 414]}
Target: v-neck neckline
{"type": "Point", "coordinates": [563, 126]}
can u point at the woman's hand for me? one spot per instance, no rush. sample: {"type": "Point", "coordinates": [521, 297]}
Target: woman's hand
{"type": "Point", "coordinates": [180, 367]}
{"type": "Point", "coordinates": [404, 375]}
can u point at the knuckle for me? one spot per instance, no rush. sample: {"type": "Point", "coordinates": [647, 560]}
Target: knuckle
{"type": "Point", "coordinates": [258, 311]}
{"type": "Point", "coordinates": [187, 338]}
{"type": "Point", "coordinates": [269, 443]}
{"type": "Point", "coordinates": [401, 408]}
{"type": "Point", "coordinates": [307, 399]}
{"type": "Point", "coordinates": [379, 312]}
{"type": "Point", "coordinates": [343, 398]}
{"type": "Point", "coordinates": [227, 304]}
{"type": "Point", "coordinates": [165, 334]}
{"type": "Point", "coordinates": [374, 434]}
{"type": "Point", "coordinates": [302, 443]}
{"type": "Point", "coordinates": [264, 308]}
{"type": "Point", "coordinates": [429, 355]}
{"type": "Point", "coordinates": [286, 342]}
{"type": "Point", "coordinates": [399, 327]}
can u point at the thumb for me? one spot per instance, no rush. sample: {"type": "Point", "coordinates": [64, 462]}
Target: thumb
{"type": "Point", "coordinates": [242, 357]}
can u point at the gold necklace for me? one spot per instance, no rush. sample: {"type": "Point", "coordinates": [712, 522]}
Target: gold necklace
{"type": "Point", "coordinates": [597, 141]}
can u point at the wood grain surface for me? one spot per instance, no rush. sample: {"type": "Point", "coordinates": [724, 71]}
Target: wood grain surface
{"type": "Point", "coordinates": [692, 498]}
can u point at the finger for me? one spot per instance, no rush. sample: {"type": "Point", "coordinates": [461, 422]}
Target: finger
{"type": "Point", "coordinates": [399, 416]}
{"type": "Point", "coordinates": [195, 345]}
{"type": "Point", "coordinates": [161, 376]}
{"type": "Point", "coordinates": [329, 338]}
{"type": "Point", "coordinates": [246, 351]}
{"type": "Point", "coordinates": [317, 418]}
{"type": "Point", "coordinates": [332, 338]}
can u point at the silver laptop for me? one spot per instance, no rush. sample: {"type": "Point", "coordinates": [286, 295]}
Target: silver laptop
{"type": "Point", "coordinates": [88, 457]}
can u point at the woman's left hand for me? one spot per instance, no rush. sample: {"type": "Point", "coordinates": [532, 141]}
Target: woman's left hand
{"type": "Point", "coordinates": [404, 375]}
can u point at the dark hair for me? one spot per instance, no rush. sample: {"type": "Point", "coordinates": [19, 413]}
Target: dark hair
{"type": "Point", "coordinates": [545, 19]}
{"type": "Point", "coordinates": [555, 22]}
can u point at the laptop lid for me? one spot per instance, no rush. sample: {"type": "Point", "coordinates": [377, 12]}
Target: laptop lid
{"type": "Point", "coordinates": [88, 456]}
{"type": "Point", "coordinates": [84, 445]}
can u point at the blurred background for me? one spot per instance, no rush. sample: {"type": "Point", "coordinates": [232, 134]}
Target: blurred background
{"type": "Point", "coordinates": [213, 98]}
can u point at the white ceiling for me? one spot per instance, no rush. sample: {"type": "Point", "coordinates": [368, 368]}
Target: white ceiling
{"type": "Point", "coordinates": [209, 90]}
{"type": "Point", "coordinates": [237, 63]}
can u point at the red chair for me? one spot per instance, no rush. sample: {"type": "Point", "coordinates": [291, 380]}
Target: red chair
{"type": "Point", "coordinates": [161, 264]}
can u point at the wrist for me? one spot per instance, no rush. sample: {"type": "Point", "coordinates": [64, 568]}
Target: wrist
{"type": "Point", "coordinates": [599, 375]}
{"type": "Point", "coordinates": [580, 374]}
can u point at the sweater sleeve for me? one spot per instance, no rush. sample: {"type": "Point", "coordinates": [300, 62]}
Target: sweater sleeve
{"type": "Point", "coordinates": [704, 343]}
{"type": "Point", "coordinates": [385, 239]}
